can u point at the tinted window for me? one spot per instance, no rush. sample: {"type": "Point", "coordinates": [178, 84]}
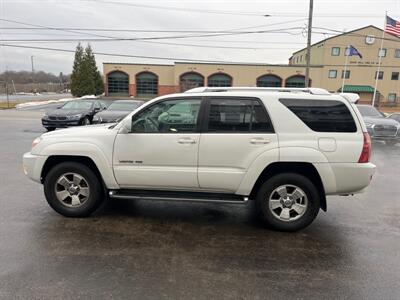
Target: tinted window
{"type": "Point", "coordinates": [169, 116]}
{"type": "Point", "coordinates": [369, 111]}
{"type": "Point", "coordinates": [322, 115]}
{"type": "Point", "coordinates": [77, 105]}
{"type": "Point", "coordinates": [238, 115]}
{"type": "Point", "coordinates": [97, 105]}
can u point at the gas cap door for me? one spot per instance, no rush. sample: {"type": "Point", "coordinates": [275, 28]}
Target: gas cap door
{"type": "Point", "coordinates": [327, 144]}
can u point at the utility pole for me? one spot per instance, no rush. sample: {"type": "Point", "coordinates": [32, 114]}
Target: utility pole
{"type": "Point", "coordinates": [308, 53]}
{"type": "Point", "coordinates": [33, 69]}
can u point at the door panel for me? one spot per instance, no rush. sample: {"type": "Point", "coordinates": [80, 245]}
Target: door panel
{"type": "Point", "coordinates": [237, 130]}
{"type": "Point", "coordinates": [225, 158]}
{"type": "Point", "coordinates": [156, 160]}
{"type": "Point", "coordinates": [162, 149]}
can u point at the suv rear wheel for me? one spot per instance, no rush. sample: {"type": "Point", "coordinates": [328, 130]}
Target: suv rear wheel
{"type": "Point", "coordinates": [73, 190]}
{"type": "Point", "coordinates": [288, 202]}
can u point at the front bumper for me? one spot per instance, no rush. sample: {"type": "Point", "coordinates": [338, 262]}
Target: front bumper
{"type": "Point", "coordinates": [382, 135]}
{"type": "Point", "coordinates": [33, 165]}
{"type": "Point", "coordinates": [60, 124]}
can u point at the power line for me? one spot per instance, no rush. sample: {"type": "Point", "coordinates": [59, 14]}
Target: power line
{"type": "Point", "coordinates": [191, 60]}
{"type": "Point", "coordinates": [206, 11]}
{"type": "Point", "coordinates": [138, 30]}
{"type": "Point", "coordinates": [126, 55]}
{"type": "Point", "coordinates": [108, 39]}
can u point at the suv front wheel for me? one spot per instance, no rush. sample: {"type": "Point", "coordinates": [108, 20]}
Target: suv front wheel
{"type": "Point", "coordinates": [288, 202]}
{"type": "Point", "coordinates": [73, 189]}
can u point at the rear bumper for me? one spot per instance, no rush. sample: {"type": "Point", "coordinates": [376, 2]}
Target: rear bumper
{"type": "Point", "coordinates": [345, 178]}
{"type": "Point", "coordinates": [33, 165]}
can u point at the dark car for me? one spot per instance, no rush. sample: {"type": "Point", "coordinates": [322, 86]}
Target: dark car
{"type": "Point", "coordinates": [72, 113]}
{"type": "Point", "coordinates": [117, 110]}
{"type": "Point", "coordinates": [379, 126]}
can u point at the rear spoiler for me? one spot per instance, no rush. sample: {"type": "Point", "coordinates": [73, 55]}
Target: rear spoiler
{"type": "Point", "coordinates": [351, 97]}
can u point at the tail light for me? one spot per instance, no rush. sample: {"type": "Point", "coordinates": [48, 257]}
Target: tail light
{"type": "Point", "coordinates": [366, 150]}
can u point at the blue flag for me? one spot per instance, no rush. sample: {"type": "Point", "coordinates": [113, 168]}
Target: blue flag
{"type": "Point", "coordinates": [351, 51]}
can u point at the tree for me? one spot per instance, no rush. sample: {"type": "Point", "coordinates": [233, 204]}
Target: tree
{"type": "Point", "coordinates": [95, 74]}
{"type": "Point", "coordinates": [76, 76]}
{"type": "Point", "coordinates": [86, 78]}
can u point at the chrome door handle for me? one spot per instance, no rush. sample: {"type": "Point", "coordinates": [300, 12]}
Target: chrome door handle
{"type": "Point", "coordinates": [186, 141]}
{"type": "Point", "coordinates": [257, 141]}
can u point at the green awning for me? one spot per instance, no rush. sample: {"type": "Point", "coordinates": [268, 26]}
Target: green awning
{"type": "Point", "coordinates": [357, 89]}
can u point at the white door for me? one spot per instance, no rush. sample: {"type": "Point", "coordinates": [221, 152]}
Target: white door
{"type": "Point", "coordinates": [236, 132]}
{"type": "Point", "coordinates": [162, 148]}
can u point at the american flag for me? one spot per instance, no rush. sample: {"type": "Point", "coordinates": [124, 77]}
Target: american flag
{"type": "Point", "coordinates": [392, 26]}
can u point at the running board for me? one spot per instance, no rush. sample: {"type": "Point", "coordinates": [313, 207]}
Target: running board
{"type": "Point", "coordinates": [178, 196]}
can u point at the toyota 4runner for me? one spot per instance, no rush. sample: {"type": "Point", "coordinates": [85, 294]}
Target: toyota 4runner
{"type": "Point", "coordinates": [286, 149]}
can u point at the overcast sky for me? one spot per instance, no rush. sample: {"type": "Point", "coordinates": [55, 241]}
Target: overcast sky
{"type": "Point", "coordinates": [205, 15]}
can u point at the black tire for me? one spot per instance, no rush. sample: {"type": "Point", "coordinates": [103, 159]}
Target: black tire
{"type": "Point", "coordinates": [290, 179]}
{"type": "Point", "coordinates": [92, 202]}
{"type": "Point", "coordinates": [50, 128]}
{"type": "Point", "coordinates": [85, 121]}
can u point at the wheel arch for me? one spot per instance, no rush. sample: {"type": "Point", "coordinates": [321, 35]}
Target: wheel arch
{"type": "Point", "coordinates": [54, 160]}
{"type": "Point", "coordinates": [303, 168]}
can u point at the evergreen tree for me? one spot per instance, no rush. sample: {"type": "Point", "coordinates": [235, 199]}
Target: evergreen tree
{"type": "Point", "coordinates": [94, 72]}
{"type": "Point", "coordinates": [86, 78]}
{"type": "Point", "coordinates": [76, 76]}
{"type": "Point", "coordinates": [99, 84]}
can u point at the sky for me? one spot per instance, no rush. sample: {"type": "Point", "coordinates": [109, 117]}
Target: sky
{"type": "Point", "coordinates": [221, 31]}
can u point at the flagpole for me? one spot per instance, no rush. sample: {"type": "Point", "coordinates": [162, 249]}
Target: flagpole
{"type": "Point", "coordinates": [345, 65]}
{"type": "Point", "coordinates": [379, 61]}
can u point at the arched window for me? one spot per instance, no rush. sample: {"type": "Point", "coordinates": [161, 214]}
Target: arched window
{"type": "Point", "coordinates": [269, 81]}
{"type": "Point", "coordinates": [217, 80]}
{"type": "Point", "coordinates": [296, 81]}
{"type": "Point", "coordinates": [118, 84]}
{"type": "Point", "coordinates": [190, 80]}
{"type": "Point", "coordinates": [146, 84]}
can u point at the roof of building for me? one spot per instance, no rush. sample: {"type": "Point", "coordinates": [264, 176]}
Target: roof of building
{"type": "Point", "coordinates": [335, 36]}
{"type": "Point", "coordinates": [357, 89]}
{"type": "Point", "coordinates": [214, 63]}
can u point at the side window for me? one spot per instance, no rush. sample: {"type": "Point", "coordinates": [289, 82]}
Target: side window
{"type": "Point", "coordinates": [97, 105]}
{"type": "Point", "coordinates": [232, 115]}
{"type": "Point", "coordinates": [169, 116]}
{"type": "Point", "coordinates": [322, 115]}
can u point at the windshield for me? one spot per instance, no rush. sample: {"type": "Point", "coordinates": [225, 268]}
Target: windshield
{"type": "Point", "coordinates": [126, 106]}
{"type": "Point", "coordinates": [77, 105]}
{"type": "Point", "coordinates": [369, 111]}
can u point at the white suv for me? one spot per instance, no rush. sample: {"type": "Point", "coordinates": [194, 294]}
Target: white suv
{"type": "Point", "coordinates": [284, 148]}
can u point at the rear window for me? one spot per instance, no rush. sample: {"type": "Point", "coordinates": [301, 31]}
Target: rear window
{"type": "Point", "coordinates": [322, 115]}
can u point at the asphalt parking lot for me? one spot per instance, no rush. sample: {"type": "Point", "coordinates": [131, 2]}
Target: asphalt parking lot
{"type": "Point", "coordinates": [153, 250]}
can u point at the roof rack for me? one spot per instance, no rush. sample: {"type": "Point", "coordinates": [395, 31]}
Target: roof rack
{"type": "Point", "coordinates": [314, 91]}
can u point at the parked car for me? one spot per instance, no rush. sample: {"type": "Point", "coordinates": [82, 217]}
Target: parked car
{"type": "Point", "coordinates": [286, 149]}
{"type": "Point", "coordinates": [117, 110]}
{"type": "Point", "coordinates": [395, 116]}
{"type": "Point", "coordinates": [72, 113]}
{"type": "Point", "coordinates": [379, 126]}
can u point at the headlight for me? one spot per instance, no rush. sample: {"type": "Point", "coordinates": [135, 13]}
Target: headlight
{"type": "Point", "coordinates": [75, 117]}
{"type": "Point", "coordinates": [36, 141]}
{"type": "Point", "coordinates": [369, 125]}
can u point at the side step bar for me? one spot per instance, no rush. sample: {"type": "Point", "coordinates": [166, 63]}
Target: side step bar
{"type": "Point", "coordinates": [178, 196]}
